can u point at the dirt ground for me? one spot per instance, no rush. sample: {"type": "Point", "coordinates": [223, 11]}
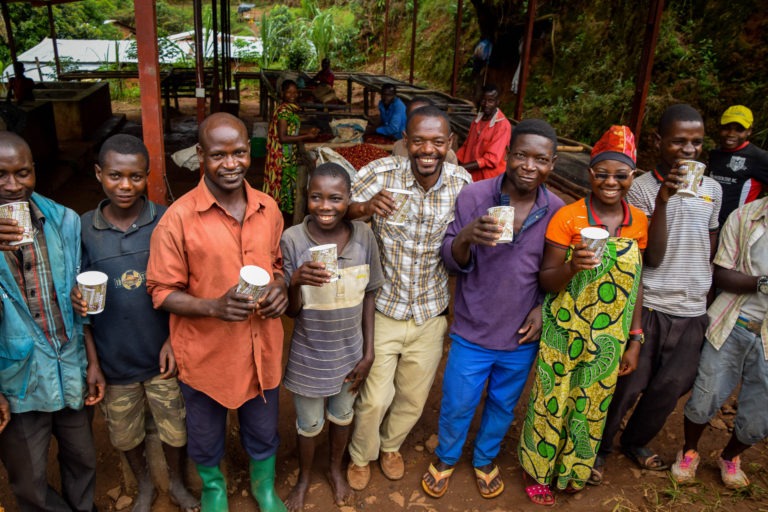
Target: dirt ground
{"type": "Point", "coordinates": [625, 487]}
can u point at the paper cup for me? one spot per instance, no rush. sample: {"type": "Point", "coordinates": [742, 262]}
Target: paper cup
{"type": "Point", "coordinates": [505, 217]}
{"type": "Point", "coordinates": [401, 197]}
{"type": "Point", "coordinates": [595, 238]}
{"type": "Point", "coordinates": [253, 281]}
{"type": "Point", "coordinates": [689, 187]}
{"type": "Point", "coordinates": [93, 286]}
{"type": "Point", "coordinates": [327, 254]}
{"type": "Point", "coordinates": [20, 213]}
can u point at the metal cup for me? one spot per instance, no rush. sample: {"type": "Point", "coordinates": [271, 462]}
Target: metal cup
{"type": "Point", "coordinates": [253, 281]}
{"type": "Point", "coordinates": [505, 217]}
{"type": "Point", "coordinates": [93, 286]}
{"type": "Point", "coordinates": [327, 254]}
{"type": "Point", "coordinates": [19, 211]}
{"type": "Point", "coordinates": [595, 239]}
{"type": "Point", "coordinates": [401, 198]}
{"type": "Point", "coordinates": [689, 187]}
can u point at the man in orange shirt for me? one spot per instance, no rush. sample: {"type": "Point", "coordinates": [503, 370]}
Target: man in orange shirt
{"type": "Point", "coordinates": [228, 347]}
{"type": "Point", "coordinates": [484, 151]}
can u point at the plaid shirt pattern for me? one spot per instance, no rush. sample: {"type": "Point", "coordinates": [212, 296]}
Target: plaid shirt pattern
{"type": "Point", "coordinates": [742, 229]}
{"type": "Point", "coordinates": [416, 281]}
{"type": "Point", "coordinates": [32, 271]}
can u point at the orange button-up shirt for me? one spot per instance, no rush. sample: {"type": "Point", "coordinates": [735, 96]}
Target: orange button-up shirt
{"type": "Point", "coordinates": [486, 144]}
{"type": "Point", "coordinates": [198, 248]}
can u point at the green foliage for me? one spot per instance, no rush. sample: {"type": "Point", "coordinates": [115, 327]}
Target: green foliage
{"type": "Point", "coordinates": [300, 55]}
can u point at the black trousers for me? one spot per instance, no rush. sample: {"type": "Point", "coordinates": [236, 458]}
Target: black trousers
{"type": "Point", "coordinates": [24, 452]}
{"type": "Point", "coordinates": [666, 371]}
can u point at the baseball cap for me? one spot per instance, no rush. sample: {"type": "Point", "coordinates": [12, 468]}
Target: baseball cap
{"type": "Point", "coordinates": [738, 114]}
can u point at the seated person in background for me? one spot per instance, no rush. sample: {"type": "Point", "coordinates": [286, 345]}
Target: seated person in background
{"type": "Point", "coordinates": [323, 82]}
{"type": "Point", "coordinates": [483, 152]}
{"type": "Point", "coordinates": [20, 86]}
{"type": "Point", "coordinates": [740, 167]}
{"type": "Point", "coordinates": [391, 113]}
{"type": "Point", "coordinates": [400, 149]}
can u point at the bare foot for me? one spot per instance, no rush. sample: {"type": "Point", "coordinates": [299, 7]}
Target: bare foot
{"type": "Point", "coordinates": [181, 497]}
{"type": "Point", "coordinates": [145, 497]}
{"type": "Point", "coordinates": [295, 500]}
{"type": "Point", "coordinates": [342, 492]}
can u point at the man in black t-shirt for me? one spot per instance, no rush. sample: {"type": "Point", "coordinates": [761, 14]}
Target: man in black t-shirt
{"type": "Point", "coordinates": [739, 166]}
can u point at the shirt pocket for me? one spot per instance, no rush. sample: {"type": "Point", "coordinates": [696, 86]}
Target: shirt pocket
{"type": "Point", "coordinates": [16, 376]}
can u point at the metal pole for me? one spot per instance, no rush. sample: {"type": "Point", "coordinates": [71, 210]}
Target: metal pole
{"type": "Point", "coordinates": [413, 38]}
{"type": "Point", "coordinates": [524, 59]}
{"type": "Point", "coordinates": [215, 35]}
{"type": "Point", "coordinates": [199, 60]}
{"type": "Point", "coordinates": [151, 109]}
{"type": "Point", "coordinates": [456, 44]}
{"type": "Point", "coordinates": [386, 35]}
{"type": "Point", "coordinates": [52, 29]}
{"type": "Point", "coordinates": [8, 30]}
{"type": "Point", "coordinates": [655, 12]}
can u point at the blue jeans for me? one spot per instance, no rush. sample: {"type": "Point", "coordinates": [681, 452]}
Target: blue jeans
{"type": "Point", "coordinates": [468, 369]}
{"type": "Point", "coordinates": [740, 359]}
{"type": "Point", "coordinates": [309, 410]}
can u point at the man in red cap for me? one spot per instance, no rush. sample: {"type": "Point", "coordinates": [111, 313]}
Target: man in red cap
{"type": "Point", "coordinates": [739, 166]}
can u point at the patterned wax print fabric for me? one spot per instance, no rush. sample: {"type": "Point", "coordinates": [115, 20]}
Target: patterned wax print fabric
{"type": "Point", "coordinates": [281, 168]}
{"type": "Point", "coordinates": [583, 339]}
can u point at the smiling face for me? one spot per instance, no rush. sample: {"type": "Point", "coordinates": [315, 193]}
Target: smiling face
{"type": "Point", "coordinates": [427, 139]}
{"type": "Point", "coordinates": [531, 159]}
{"type": "Point", "coordinates": [291, 94]}
{"type": "Point", "coordinates": [224, 153]}
{"type": "Point", "coordinates": [681, 140]}
{"type": "Point", "coordinates": [17, 173]}
{"type": "Point", "coordinates": [610, 181]}
{"type": "Point", "coordinates": [733, 135]}
{"type": "Point", "coordinates": [327, 201]}
{"type": "Point", "coordinates": [123, 178]}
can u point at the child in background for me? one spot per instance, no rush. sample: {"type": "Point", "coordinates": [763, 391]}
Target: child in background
{"type": "Point", "coordinates": [331, 349]}
{"type": "Point", "coordinates": [131, 336]}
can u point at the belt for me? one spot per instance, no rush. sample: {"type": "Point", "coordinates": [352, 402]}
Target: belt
{"type": "Point", "coordinates": [750, 325]}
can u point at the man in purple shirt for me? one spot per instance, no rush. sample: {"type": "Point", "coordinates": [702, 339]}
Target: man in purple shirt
{"type": "Point", "coordinates": [497, 318]}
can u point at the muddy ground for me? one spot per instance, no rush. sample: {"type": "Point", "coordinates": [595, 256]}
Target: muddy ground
{"type": "Point", "coordinates": [625, 488]}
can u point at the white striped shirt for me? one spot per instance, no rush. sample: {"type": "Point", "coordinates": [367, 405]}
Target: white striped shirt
{"type": "Point", "coordinates": [679, 286]}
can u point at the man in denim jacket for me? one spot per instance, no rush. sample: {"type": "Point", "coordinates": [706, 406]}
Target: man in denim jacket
{"type": "Point", "coordinates": [43, 363]}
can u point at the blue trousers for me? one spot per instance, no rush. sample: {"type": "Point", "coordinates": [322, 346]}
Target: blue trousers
{"type": "Point", "coordinates": [468, 369]}
{"type": "Point", "coordinates": [207, 426]}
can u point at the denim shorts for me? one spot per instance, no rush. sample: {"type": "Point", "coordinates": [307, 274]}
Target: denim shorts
{"type": "Point", "coordinates": [740, 359]}
{"type": "Point", "coordinates": [309, 411]}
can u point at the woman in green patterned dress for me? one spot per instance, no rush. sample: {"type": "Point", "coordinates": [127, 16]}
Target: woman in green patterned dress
{"type": "Point", "coordinates": [282, 164]}
{"type": "Point", "coordinates": [591, 324]}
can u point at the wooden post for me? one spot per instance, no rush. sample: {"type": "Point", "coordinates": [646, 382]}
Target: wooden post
{"type": "Point", "coordinates": [646, 65]}
{"type": "Point", "coordinates": [52, 29]}
{"type": "Point", "coordinates": [456, 44]}
{"type": "Point", "coordinates": [8, 30]}
{"type": "Point", "coordinates": [386, 35]}
{"type": "Point", "coordinates": [199, 60]}
{"type": "Point", "coordinates": [413, 38]}
{"type": "Point", "coordinates": [151, 110]}
{"type": "Point", "coordinates": [524, 59]}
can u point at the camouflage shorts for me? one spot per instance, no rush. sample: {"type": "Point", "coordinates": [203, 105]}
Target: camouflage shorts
{"type": "Point", "coordinates": [124, 408]}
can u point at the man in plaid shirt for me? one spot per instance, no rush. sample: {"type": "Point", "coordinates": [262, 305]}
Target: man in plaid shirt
{"type": "Point", "coordinates": [410, 321]}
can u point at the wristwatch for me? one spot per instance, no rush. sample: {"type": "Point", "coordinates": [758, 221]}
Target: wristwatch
{"type": "Point", "coordinates": [762, 285]}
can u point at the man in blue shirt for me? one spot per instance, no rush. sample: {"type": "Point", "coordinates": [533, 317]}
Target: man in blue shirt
{"type": "Point", "coordinates": [42, 351]}
{"type": "Point", "coordinates": [497, 319]}
{"type": "Point", "coordinates": [392, 113]}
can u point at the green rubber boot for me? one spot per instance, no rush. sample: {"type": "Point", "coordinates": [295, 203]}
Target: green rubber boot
{"type": "Point", "coordinates": [214, 495]}
{"type": "Point", "coordinates": [263, 485]}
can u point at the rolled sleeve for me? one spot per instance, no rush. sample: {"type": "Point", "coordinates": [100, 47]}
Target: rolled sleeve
{"type": "Point", "coordinates": [167, 268]}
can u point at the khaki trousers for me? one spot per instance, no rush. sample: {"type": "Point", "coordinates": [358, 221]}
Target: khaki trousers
{"type": "Point", "coordinates": [393, 396]}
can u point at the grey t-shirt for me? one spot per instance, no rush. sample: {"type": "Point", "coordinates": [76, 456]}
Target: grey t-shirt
{"type": "Point", "coordinates": [327, 339]}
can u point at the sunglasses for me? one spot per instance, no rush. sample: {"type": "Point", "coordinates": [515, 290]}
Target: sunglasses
{"type": "Point", "coordinates": [602, 176]}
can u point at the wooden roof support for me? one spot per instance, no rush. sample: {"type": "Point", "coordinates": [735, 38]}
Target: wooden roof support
{"type": "Point", "coordinates": [199, 60]}
{"type": "Point", "coordinates": [413, 38]}
{"type": "Point", "coordinates": [386, 35]}
{"type": "Point", "coordinates": [151, 110]}
{"type": "Point", "coordinates": [524, 60]}
{"type": "Point", "coordinates": [52, 29]}
{"type": "Point", "coordinates": [456, 45]}
{"type": "Point", "coordinates": [645, 73]}
{"type": "Point", "coordinates": [8, 29]}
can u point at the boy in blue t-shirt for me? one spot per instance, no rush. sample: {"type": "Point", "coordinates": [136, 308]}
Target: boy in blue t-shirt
{"type": "Point", "coordinates": [131, 337]}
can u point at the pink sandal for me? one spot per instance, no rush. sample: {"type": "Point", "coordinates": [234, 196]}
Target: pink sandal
{"type": "Point", "coordinates": [539, 494]}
